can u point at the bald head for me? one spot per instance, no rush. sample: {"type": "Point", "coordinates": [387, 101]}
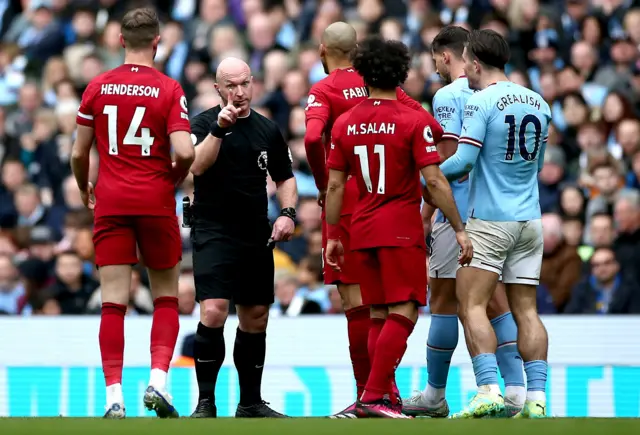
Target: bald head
{"type": "Point", "coordinates": [339, 37]}
{"type": "Point", "coordinates": [232, 67]}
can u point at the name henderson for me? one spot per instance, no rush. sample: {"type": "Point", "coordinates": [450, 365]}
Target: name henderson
{"type": "Point", "coordinates": [130, 90]}
{"type": "Point", "coordinates": [509, 99]}
{"type": "Point", "coordinates": [384, 128]}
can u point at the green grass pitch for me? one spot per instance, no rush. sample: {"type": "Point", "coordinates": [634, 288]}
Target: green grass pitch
{"type": "Point", "coordinates": [313, 426]}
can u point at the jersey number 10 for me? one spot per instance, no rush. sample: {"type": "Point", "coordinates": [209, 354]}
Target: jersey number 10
{"type": "Point", "coordinates": [144, 141]}
{"type": "Point", "coordinates": [361, 152]}
{"type": "Point", "coordinates": [522, 140]}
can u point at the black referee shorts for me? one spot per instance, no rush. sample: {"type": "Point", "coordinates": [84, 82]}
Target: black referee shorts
{"type": "Point", "coordinates": [235, 270]}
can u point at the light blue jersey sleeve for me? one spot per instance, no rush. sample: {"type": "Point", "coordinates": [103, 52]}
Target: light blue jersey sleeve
{"type": "Point", "coordinates": [447, 113]}
{"type": "Point", "coordinates": [543, 147]}
{"type": "Point", "coordinates": [448, 109]}
{"type": "Point", "coordinates": [473, 132]}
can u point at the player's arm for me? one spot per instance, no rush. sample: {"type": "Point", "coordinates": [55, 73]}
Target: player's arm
{"type": "Point", "coordinates": [474, 129]}
{"type": "Point", "coordinates": [80, 155]}
{"type": "Point", "coordinates": [317, 114]}
{"type": "Point", "coordinates": [207, 146]}
{"type": "Point", "coordinates": [338, 170]}
{"type": "Point", "coordinates": [281, 172]}
{"type": "Point", "coordinates": [85, 136]}
{"type": "Point", "coordinates": [427, 158]}
{"type": "Point", "coordinates": [179, 132]}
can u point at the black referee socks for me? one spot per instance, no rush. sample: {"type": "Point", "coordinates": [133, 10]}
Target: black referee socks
{"type": "Point", "coordinates": [248, 355]}
{"type": "Point", "coordinates": [208, 353]}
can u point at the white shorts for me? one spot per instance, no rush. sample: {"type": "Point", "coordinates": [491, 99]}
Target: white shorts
{"type": "Point", "coordinates": [512, 249]}
{"type": "Point", "coordinates": [443, 261]}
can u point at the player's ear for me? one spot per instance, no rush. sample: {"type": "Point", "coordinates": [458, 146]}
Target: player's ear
{"type": "Point", "coordinates": [122, 41]}
{"type": "Point", "coordinates": [156, 41]}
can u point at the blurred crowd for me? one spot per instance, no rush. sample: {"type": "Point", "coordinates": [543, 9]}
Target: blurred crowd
{"type": "Point", "coordinates": [582, 56]}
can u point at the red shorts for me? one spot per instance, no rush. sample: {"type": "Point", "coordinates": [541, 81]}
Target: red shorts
{"type": "Point", "coordinates": [390, 275]}
{"type": "Point", "coordinates": [347, 275]}
{"type": "Point", "coordinates": [157, 237]}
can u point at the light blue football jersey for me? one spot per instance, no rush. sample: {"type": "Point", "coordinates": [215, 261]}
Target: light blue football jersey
{"type": "Point", "coordinates": [448, 109]}
{"type": "Point", "coordinates": [510, 124]}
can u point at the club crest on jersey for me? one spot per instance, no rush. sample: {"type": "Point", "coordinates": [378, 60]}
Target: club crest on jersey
{"type": "Point", "coordinates": [427, 134]}
{"type": "Point", "coordinates": [262, 160]}
{"type": "Point", "coordinates": [311, 102]}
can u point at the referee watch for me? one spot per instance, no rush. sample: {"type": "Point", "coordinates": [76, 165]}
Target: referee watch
{"type": "Point", "coordinates": [289, 212]}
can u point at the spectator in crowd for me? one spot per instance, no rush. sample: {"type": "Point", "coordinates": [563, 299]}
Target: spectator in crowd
{"type": "Point", "coordinates": [561, 265]}
{"type": "Point", "coordinates": [186, 294]}
{"type": "Point", "coordinates": [11, 290]}
{"type": "Point", "coordinates": [605, 290]}
{"type": "Point", "coordinates": [72, 287]}
{"type": "Point", "coordinates": [582, 55]}
{"type": "Point", "coordinates": [627, 219]}
{"type": "Point", "coordinates": [550, 177]}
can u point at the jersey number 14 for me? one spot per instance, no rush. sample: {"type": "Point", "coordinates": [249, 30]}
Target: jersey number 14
{"type": "Point", "coordinates": [361, 152]}
{"type": "Point", "coordinates": [144, 141]}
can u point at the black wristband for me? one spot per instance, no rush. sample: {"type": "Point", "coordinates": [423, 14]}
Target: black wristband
{"type": "Point", "coordinates": [217, 131]}
{"type": "Point", "coordinates": [289, 212]}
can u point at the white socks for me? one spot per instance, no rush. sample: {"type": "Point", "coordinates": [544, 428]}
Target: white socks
{"type": "Point", "coordinates": [433, 395]}
{"type": "Point", "coordinates": [114, 394]}
{"type": "Point", "coordinates": [158, 379]}
{"type": "Point", "coordinates": [536, 396]}
{"type": "Point", "coordinates": [490, 389]}
{"type": "Point", "coordinates": [515, 395]}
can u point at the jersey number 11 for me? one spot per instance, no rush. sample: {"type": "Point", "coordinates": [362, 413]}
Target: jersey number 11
{"type": "Point", "coordinates": [361, 152]}
{"type": "Point", "coordinates": [145, 140]}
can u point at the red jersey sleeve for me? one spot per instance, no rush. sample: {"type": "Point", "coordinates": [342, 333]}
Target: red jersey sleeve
{"type": "Point", "coordinates": [403, 98]}
{"type": "Point", "coordinates": [318, 104]}
{"type": "Point", "coordinates": [85, 111]}
{"type": "Point", "coordinates": [178, 118]}
{"type": "Point", "coordinates": [425, 137]}
{"type": "Point", "coordinates": [337, 158]}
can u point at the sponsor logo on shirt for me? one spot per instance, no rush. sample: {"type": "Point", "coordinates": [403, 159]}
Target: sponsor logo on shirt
{"type": "Point", "coordinates": [311, 102]}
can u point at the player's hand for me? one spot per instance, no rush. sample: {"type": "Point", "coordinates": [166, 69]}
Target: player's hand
{"type": "Point", "coordinates": [322, 195]}
{"type": "Point", "coordinates": [334, 254]}
{"type": "Point", "coordinates": [466, 248]}
{"type": "Point", "coordinates": [88, 197]}
{"type": "Point", "coordinates": [283, 229]}
{"type": "Point", "coordinates": [229, 114]}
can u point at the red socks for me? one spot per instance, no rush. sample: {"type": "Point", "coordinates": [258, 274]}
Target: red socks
{"type": "Point", "coordinates": [358, 329]}
{"type": "Point", "coordinates": [164, 332]}
{"type": "Point", "coordinates": [389, 350]}
{"type": "Point", "coordinates": [111, 340]}
{"type": "Point", "coordinates": [375, 328]}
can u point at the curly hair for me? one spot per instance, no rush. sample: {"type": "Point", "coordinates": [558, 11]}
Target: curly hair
{"type": "Point", "coordinates": [382, 64]}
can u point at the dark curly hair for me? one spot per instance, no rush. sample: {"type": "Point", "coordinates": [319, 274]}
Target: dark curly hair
{"type": "Point", "coordinates": [382, 64]}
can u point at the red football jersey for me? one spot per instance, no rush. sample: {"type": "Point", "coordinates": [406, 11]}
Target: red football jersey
{"type": "Point", "coordinates": [133, 110]}
{"type": "Point", "coordinates": [334, 95]}
{"type": "Point", "coordinates": [385, 144]}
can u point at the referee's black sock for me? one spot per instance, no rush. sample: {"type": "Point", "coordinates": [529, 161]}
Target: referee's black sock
{"type": "Point", "coordinates": [208, 353]}
{"type": "Point", "coordinates": [248, 355]}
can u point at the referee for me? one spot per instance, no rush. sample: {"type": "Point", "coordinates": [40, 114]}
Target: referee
{"type": "Point", "coordinates": [232, 239]}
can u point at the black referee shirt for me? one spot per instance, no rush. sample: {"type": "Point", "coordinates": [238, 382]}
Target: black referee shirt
{"type": "Point", "coordinates": [233, 191]}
